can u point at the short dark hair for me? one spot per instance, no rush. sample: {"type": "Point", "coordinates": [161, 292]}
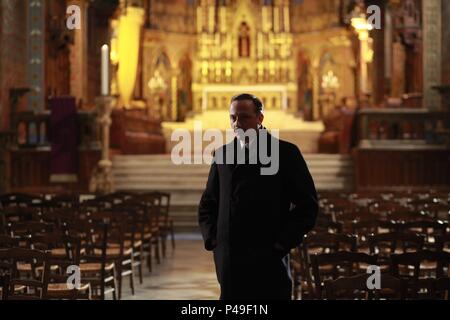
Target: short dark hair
{"type": "Point", "coordinates": [246, 96]}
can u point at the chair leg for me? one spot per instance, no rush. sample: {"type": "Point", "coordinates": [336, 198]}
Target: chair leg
{"type": "Point", "coordinates": [149, 256]}
{"type": "Point", "coordinates": [139, 261]}
{"type": "Point", "coordinates": [163, 244]}
{"type": "Point", "coordinates": [157, 255]}
{"type": "Point", "coordinates": [172, 235]}
{"type": "Point", "coordinates": [132, 283]}
{"type": "Point", "coordinates": [141, 278]}
{"type": "Point", "coordinates": [114, 284]}
{"type": "Point", "coordinates": [119, 279]}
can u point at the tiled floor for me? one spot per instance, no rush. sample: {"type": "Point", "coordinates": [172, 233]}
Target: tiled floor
{"type": "Point", "coordinates": [186, 273]}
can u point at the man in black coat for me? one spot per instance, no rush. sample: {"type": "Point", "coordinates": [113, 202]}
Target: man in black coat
{"type": "Point", "coordinates": [252, 220]}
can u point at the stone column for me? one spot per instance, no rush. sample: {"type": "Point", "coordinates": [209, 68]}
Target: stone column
{"type": "Point", "coordinates": [36, 54]}
{"type": "Point", "coordinates": [432, 49]}
{"type": "Point", "coordinates": [78, 54]}
{"type": "Point", "coordinates": [445, 44]}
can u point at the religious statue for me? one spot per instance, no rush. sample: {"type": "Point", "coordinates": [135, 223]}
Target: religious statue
{"type": "Point", "coordinates": [244, 40]}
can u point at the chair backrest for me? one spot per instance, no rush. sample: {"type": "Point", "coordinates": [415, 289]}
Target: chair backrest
{"type": "Point", "coordinates": [8, 242]}
{"type": "Point", "coordinates": [64, 249]}
{"type": "Point", "coordinates": [441, 288]}
{"type": "Point", "coordinates": [18, 199]}
{"type": "Point", "coordinates": [443, 242]}
{"type": "Point", "coordinates": [341, 263]}
{"type": "Point", "coordinates": [36, 286]}
{"type": "Point", "coordinates": [387, 207]}
{"type": "Point", "coordinates": [408, 215]}
{"type": "Point", "coordinates": [28, 228]}
{"type": "Point", "coordinates": [326, 225]}
{"type": "Point", "coordinates": [19, 214]}
{"type": "Point", "coordinates": [365, 228]}
{"type": "Point", "coordinates": [164, 202]}
{"type": "Point", "coordinates": [385, 244]}
{"type": "Point", "coordinates": [415, 259]}
{"type": "Point", "coordinates": [427, 227]}
{"type": "Point", "coordinates": [4, 285]}
{"type": "Point", "coordinates": [329, 242]}
{"type": "Point", "coordinates": [118, 222]}
{"type": "Point", "coordinates": [357, 287]}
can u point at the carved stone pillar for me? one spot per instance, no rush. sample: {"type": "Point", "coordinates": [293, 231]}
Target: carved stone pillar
{"type": "Point", "coordinates": [102, 179]}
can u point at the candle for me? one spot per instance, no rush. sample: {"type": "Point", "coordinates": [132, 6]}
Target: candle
{"type": "Point", "coordinates": [105, 70]}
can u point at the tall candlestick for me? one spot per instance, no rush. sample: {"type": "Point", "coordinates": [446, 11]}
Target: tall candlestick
{"type": "Point", "coordinates": [105, 70]}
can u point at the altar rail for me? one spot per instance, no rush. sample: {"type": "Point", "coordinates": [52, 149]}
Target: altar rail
{"type": "Point", "coordinates": [399, 149]}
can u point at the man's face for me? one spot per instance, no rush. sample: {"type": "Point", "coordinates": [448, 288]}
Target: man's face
{"type": "Point", "coordinates": [243, 115]}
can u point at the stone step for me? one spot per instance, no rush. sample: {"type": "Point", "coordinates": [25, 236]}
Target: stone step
{"type": "Point", "coordinates": [152, 175]}
{"type": "Point", "coordinates": [342, 184]}
{"type": "Point", "coordinates": [186, 183]}
{"type": "Point", "coordinates": [167, 157]}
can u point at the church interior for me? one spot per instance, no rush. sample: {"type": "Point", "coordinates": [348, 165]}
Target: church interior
{"type": "Point", "coordinates": [92, 92]}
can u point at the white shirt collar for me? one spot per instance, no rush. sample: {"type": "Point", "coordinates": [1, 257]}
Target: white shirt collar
{"type": "Point", "coordinates": [243, 144]}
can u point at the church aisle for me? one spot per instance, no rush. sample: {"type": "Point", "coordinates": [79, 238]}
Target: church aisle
{"type": "Point", "coordinates": [187, 273]}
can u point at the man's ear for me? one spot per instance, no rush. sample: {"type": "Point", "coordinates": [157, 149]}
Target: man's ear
{"type": "Point", "coordinates": [261, 118]}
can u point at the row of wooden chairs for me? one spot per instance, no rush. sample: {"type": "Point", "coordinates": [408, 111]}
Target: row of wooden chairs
{"type": "Point", "coordinates": [319, 266]}
{"type": "Point", "coordinates": [136, 224]}
{"type": "Point", "coordinates": [355, 287]}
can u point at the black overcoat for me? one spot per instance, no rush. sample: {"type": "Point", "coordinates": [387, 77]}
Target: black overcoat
{"type": "Point", "coordinates": [243, 214]}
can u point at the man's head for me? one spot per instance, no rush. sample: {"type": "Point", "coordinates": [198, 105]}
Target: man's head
{"type": "Point", "coordinates": [246, 112]}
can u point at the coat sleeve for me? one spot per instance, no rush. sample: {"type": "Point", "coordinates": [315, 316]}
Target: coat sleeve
{"type": "Point", "coordinates": [209, 209]}
{"type": "Point", "coordinates": [304, 204]}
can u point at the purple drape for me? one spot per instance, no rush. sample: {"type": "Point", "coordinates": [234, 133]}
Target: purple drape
{"type": "Point", "coordinates": [63, 138]}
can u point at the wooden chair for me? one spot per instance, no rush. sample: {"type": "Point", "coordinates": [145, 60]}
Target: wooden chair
{"type": "Point", "coordinates": [19, 200]}
{"type": "Point", "coordinates": [65, 252]}
{"type": "Point", "coordinates": [66, 200]}
{"type": "Point", "coordinates": [4, 286]}
{"type": "Point", "coordinates": [34, 288]}
{"type": "Point", "coordinates": [385, 244]}
{"type": "Point", "coordinates": [118, 249]}
{"type": "Point", "coordinates": [434, 207]}
{"type": "Point", "coordinates": [441, 288]}
{"type": "Point", "coordinates": [355, 287]}
{"type": "Point", "coordinates": [383, 209]}
{"type": "Point", "coordinates": [328, 242]}
{"type": "Point", "coordinates": [95, 267]}
{"type": "Point", "coordinates": [342, 263]}
{"type": "Point", "coordinates": [418, 272]}
{"type": "Point", "coordinates": [133, 212]}
{"type": "Point", "coordinates": [328, 226]}
{"type": "Point", "coordinates": [19, 229]}
{"type": "Point", "coordinates": [152, 234]}
{"type": "Point", "coordinates": [165, 220]}
{"type": "Point", "coordinates": [8, 242]}
{"type": "Point", "coordinates": [443, 242]}
{"type": "Point", "coordinates": [373, 227]}
{"type": "Point", "coordinates": [18, 214]}
{"type": "Point", "coordinates": [362, 230]}
{"type": "Point", "coordinates": [430, 229]}
{"type": "Point", "coordinates": [315, 242]}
